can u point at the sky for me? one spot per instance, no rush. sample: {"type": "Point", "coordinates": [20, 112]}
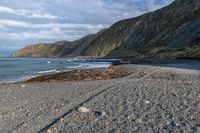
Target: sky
{"type": "Point", "coordinates": [25, 22]}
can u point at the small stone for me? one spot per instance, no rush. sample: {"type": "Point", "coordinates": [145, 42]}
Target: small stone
{"type": "Point", "coordinates": [97, 113]}
{"type": "Point", "coordinates": [139, 121]}
{"type": "Point", "coordinates": [147, 102]}
{"type": "Point", "coordinates": [100, 113]}
{"type": "Point", "coordinates": [198, 129]}
{"type": "Point", "coordinates": [84, 109]}
{"type": "Point", "coordinates": [23, 86]}
{"type": "Point", "coordinates": [49, 131]}
{"type": "Point", "coordinates": [103, 113]}
{"type": "Point", "coordinates": [62, 119]}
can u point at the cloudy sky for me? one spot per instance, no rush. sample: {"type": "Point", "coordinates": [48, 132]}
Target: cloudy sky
{"type": "Point", "coordinates": [24, 22]}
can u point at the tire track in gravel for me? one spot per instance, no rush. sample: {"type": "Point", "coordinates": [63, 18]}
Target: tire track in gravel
{"type": "Point", "coordinates": [49, 108]}
{"type": "Point", "coordinates": [105, 88]}
{"type": "Point", "coordinates": [28, 104]}
{"type": "Point", "coordinates": [37, 100]}
{"type": "Point", "coordinates": [41, 101]}
{"type": "Point", "coordinates": [34, 101]}
{"type": "Point", "coordinates": [117, 89]}
{"type": "Point", "coordinates": [37, 114]}
{"type": "Point", "coordinates": [170, 99]}
{"type": "Point", "coordinates": [144, 77]}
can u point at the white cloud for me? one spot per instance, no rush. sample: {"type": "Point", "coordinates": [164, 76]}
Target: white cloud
{"type": "Point", "coordinates": [28, 35]}
{"type": "Point", "coordinates": [22, 24]}
{"type": "Point", "coordinates": [27, 13]}
{"type": "Point", "coordinates": [6, 10]}
{"type": "Point", "coordinates": [50, 34]}
{"type": "Point", "coordinates": [13, 23]}
{"type": "Point", "coordinates": [47, 31]}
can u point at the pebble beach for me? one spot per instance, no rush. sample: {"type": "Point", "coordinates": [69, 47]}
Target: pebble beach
{"type": "Point", "coordinates": [146, 98]}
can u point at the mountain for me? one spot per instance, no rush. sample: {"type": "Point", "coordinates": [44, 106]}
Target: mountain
{"type": "Point", "coordinates": [172, 31]}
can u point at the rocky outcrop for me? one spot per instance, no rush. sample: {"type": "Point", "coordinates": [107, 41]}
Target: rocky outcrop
{"type": "Point", "coordinates": [44, 50]}
{"type": "Point", "coordinates": [170, 29]}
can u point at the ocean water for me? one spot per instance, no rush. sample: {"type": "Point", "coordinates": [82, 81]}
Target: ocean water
{"type": "Point", "coordinates": [18, 69]}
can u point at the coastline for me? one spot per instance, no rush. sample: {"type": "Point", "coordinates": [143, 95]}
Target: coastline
{"type": "Point", "coordinates": [154, 96]}
{"type": "Point", "coordinates": [26, 68]}
{"type": "Point", "coordinates": [95, 73]}
{"type": "Point", "coordinates": [111, 72]}
{"type": "Point", "coordinates": [116, 70]}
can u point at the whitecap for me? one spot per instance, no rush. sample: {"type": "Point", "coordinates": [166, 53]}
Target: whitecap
{"type": "Point", "coordinates": [74, 67]}
{"type": "Point", "coordinates": [49, 71]}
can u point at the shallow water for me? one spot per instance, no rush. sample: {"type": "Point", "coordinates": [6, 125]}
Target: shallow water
{"type": "Point", "coordinates": [16, 69]}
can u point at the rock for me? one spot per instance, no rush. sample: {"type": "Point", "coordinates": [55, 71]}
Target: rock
{"type": "Point", "coordinates": [100, 113]}
{"type": "Point", "coordinates": [23, 86]}
{"type": "Point", "coordinates": [168, 122]}
{"type": "Point", "coordinates": [147, 102]}
{"type": "Point", "coordinates": [49, 131]}
{"type": "Point", "coordinates": [84, 109]}
{"type": "Point", "coordinates": [140, 121]}
{"type": "Point", "coordinates": [29, 114]}
{"type": "Point", "coordinates": [62, 119]}
{"type": "Point", "coordinates": [103, 113]}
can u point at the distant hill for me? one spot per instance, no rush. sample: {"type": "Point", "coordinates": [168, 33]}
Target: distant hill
{"type": "Point", "coordinates": [173, 31]}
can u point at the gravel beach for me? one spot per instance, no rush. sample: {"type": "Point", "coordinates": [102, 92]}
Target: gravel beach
{"type": "Point", "coordinates": [150, 99]}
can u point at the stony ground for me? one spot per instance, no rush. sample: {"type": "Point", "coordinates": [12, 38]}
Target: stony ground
{"type": "Point", "coordinates": [151, 99]}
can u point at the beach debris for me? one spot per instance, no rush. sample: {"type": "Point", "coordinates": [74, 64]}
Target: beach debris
{"type": "Point", "coordinates": [168, 122]}
{"type": "Point", "coordinates": [84, 109]}
{"type": "Point", "coordinates": [103, 113]}
{"type": "Point", "coordinates": [100, 113]}
{"type": "Point", "coordinates": [29, 114]}
{"type": "Point", "coordinates": [147, 102]}
{"type": "Point", "coordinates": [23, 86]}
{"type": "Point", "coordinates": [49, 131]}
{"type": "Point", "coordinates": [140, 121]}
{"type": "Point", "coordinates": [62, 119]}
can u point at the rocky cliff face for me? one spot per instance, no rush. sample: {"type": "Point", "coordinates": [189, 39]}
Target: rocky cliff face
{"type": "Point", "coordinates": [171, 31]}
{"type": "Point", "coordinates": [45, 50]}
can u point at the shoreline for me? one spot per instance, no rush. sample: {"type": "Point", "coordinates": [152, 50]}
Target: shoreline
{"type": "Point", "coordinates": [111, 72]}
{"type": "Point", "coordinates": [151, 95]}
{"type": "Point", "coordinates": [149, 90]}
{"type": "Point", "coordinates": [67, 65]}
{"type": "Point", "coordinates": [115, 70]}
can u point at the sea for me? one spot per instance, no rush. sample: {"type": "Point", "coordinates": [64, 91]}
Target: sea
{"type": "Point", "coordinates": [19, 69]}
